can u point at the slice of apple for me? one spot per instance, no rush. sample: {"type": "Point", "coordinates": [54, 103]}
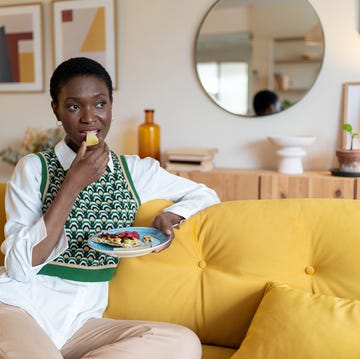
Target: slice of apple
{"type": "Point", "coordinates": [91, 139]}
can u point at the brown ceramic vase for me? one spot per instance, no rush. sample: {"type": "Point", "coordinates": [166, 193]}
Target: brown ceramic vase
{"type": "Point", "coordinates": [349, 160]}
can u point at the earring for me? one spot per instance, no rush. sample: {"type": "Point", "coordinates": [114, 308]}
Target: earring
{"type": "Point", "coordinates": [58, 123]}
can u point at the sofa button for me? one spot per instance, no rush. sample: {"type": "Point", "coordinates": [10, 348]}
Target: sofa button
{"type": "Point", "coordinates": [202, 264]}
{"type": "Point", "coordinates": [310, 270]}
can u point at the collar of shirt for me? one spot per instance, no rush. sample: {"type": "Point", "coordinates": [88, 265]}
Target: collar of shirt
{"type": "Point", "coordinates": [66, 155]}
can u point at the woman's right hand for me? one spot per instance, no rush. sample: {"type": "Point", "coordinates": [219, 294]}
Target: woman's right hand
{"type": "Point", "coordinates": [88, 166]}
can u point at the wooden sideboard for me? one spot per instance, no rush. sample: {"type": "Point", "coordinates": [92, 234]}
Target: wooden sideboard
{"type": "Point", "coordinates": [234, 184]}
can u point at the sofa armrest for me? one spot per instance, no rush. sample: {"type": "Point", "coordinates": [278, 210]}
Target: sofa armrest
{"type": "Point", "coordinates": [148, 211]}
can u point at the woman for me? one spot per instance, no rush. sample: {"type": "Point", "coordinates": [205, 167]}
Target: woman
{"type": "Point", "coordinates": [266, 102]}
{"type": "Point", "coordinates": [53, 289]}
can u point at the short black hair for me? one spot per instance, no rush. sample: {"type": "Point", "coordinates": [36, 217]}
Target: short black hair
{"type": "Point", "coordinates": [263, 100]}
{"type": "Point", "coordinates": [74, 67]}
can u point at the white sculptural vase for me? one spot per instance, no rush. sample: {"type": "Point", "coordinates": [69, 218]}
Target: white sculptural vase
{"type": "Point", "coordinates": [291, 152]}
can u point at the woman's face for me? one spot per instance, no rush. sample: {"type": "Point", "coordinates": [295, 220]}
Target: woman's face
{"type": "Point", "coordinates": [83, 104]}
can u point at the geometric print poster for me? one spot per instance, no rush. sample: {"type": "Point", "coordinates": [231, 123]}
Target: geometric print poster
{"type": "Point", "coordinates": [85, 28]}
{"type": "Point", "coordinates": [21, 48]}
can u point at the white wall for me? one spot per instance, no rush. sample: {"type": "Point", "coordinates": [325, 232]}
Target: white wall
{"type": "Point", "coordinates": [155, 63]}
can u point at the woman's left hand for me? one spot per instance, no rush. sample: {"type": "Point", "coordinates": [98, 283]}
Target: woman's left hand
{"type": "Point", "coordinates": [165, 222]}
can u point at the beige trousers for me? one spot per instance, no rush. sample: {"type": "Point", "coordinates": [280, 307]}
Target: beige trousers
{"type": "Point", "coordinates": [22, 338]}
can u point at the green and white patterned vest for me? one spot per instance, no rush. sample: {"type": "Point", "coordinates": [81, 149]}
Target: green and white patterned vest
{"type": "Point", "coordinates": [110, 202]}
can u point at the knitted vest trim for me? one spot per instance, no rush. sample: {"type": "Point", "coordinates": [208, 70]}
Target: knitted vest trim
{"type": "Point", "coordinates": [105, 268]}
{"type": "Point", "coordinates": [86, 274]}
{"type": "Point", "coordinates": [128, 178]}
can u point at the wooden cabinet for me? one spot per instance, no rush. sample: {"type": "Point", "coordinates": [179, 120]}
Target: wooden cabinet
{"type": "Point", "coordinates": [229, 184]}
{"type": "Point", "coordinates": [234, 184]}
{"type": "Point", "coordinates": [308, 185]}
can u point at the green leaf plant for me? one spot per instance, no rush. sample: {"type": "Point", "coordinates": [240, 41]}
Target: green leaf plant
{"type": "Point", "coordinates": [348, 128]}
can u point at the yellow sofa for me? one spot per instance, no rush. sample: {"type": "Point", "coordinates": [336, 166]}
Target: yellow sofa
{"type": "Point", "coordinates": [254, 279]}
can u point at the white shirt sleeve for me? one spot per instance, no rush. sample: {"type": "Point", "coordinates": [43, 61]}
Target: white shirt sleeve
{"type": "Point", "coordinates": [153, 182]}
{"type": "Point", "coordinates": [25, 226]}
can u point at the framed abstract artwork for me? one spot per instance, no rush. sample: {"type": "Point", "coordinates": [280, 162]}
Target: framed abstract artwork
{"type": "Point", "coordinates": [21, 48]}
{"type": "Point", "coordinates": [351, 112]}
{"type": "Point", "coordinates": [88, 29]}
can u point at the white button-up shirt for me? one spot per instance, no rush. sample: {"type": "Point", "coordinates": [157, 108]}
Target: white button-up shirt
{"type": "Point", "coordinates": [62, 306]}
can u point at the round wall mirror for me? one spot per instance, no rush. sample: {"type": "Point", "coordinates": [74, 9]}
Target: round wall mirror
{"type": "Point", "coordinates": [258, 57]}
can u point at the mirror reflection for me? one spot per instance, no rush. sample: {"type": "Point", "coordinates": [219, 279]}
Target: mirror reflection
{"type": "Point", "coordinates": [271, 49]}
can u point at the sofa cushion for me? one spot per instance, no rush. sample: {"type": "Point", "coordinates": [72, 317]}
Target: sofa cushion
{"type": "Point", "coordinates": [291, 323]}
{"type": "Point", "coordinates": [216, 352]}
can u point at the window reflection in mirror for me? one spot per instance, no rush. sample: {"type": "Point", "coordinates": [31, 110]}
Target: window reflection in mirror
{"type": "Point", "coordinates": [219, 80]}
{"type": "Point", "coordinates": [246, 46]}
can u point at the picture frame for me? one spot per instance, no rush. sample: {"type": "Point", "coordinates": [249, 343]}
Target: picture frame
{"type": "Point", "coordinates": [86, 28]}
{"type": "Point", "coordinates": [21, 48]}
{"type": "Point", "coordinates": [351, 112]}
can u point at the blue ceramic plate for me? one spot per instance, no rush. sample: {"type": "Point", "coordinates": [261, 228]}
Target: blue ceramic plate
{"type": "Point", "coordinates": [159, 240]}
